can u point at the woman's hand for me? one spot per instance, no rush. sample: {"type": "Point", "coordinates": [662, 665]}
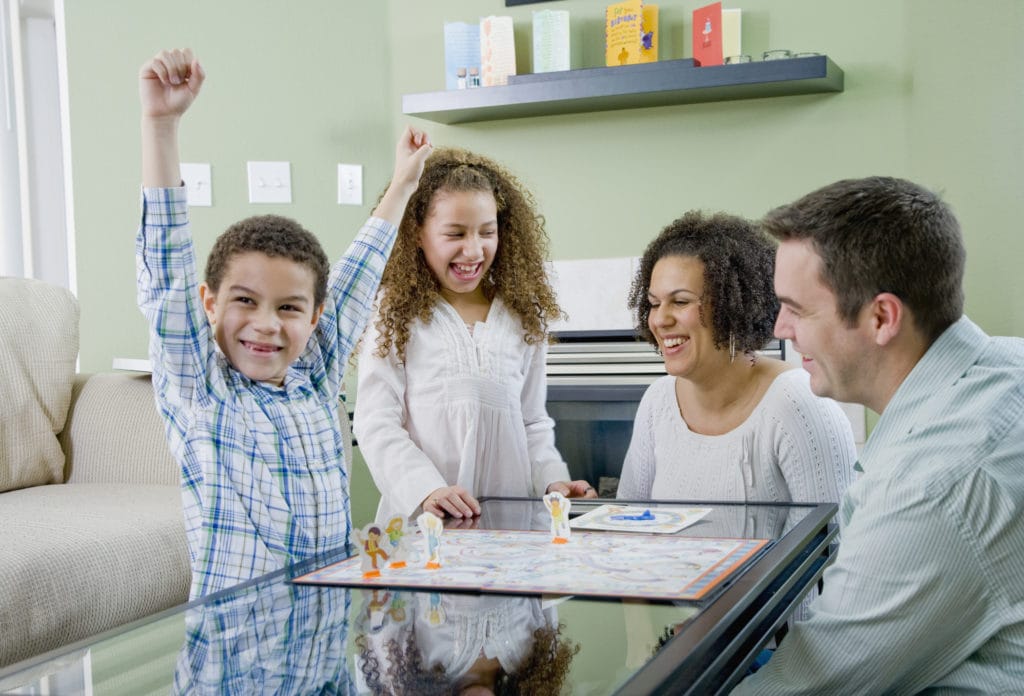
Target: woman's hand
{"type": "Point", "coordinates": [573, 489]}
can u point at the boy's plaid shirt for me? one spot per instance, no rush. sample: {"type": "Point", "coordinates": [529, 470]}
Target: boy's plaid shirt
{"type": "Point", "coordinates": [264, 481]}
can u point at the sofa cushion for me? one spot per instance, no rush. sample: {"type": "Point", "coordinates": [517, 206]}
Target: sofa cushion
{"type": "Point", "coordinates": [115, 434]}
{"type": "Point", "coordinates": [38, 349]}
{"type": "Point", "coordinates": [78, 559]}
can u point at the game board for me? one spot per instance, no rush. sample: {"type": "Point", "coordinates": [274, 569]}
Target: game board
{"type": "Point", "coordinates": [596, 564]}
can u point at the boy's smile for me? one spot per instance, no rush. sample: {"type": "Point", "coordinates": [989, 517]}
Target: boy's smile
{"type": "Point", "coordinates": [263, 314]}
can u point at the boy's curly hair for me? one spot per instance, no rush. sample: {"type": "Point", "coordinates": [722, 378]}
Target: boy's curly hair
{"type": "Point", "coordinates": [409, 289]}
{"type": "Point", "coordinates": [739, 267]}
{"type": "Point", "coordinates": [272, 235]}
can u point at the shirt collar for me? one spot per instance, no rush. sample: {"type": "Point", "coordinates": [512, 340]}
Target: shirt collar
{"type": "Point", "coordinates": [945, 361]}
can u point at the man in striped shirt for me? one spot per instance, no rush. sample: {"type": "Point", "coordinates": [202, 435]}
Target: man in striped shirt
{"type": "Point", "coordinates": [927, 590]}
{"type": "Point", "coordinates": [248, 365]}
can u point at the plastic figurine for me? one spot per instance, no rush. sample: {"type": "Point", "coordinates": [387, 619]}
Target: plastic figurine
{"type": "Point", "coordinates": [370, 550]}
{"type": "Point", "coordinates": [434, 613]}
{"type": "Point", "coordinates": [558, 505]}
{"type": "Point", "coordinates": [432, 527]}
{"type": "Point", "coordinates": [376, 614]}
{"type": "Point", "coordinates": [397, 539]}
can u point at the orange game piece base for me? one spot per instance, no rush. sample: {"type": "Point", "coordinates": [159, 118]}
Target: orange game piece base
{"type": "Point", "coordinates": [432, 566]}
{"type": "Point", "coordinates": [371, 574]}
{"type": "Point", "coordinates": [397, 564]}
{"type": "Point", "coordinates": [559, 540]}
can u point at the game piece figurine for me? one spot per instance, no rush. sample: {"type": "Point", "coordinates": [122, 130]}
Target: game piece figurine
{"type": "Point", "coordinates": [434, 613]}
{"type": "Point", "coordinates": [431, 526]}
{"type": "Point", "coordinates": [558, 505]}
{"type": "Point", "coordinates": [370, 550]}
{"type": "Point", "coordinates": [376, 610]}
{"type": "Point", "coordinates": [398, 541]}
{"type": "Point", "coordinates": [380, 608]}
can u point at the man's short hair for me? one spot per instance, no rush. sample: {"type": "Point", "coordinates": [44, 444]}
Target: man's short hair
{"type": "Point", "coordinates": [274, 236]}
{"type": "Point", "coordinates": [882, 234]}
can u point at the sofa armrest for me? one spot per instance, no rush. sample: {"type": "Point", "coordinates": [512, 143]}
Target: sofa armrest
{"type": "Point", "coordinates": [114, 433]}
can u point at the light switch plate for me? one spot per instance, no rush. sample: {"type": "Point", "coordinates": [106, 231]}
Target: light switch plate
{"type": "Point", "coordinates": [270, 182]}
{"type": "Point", "coordinates": [350, 184]}
{"type": "Point", "coordinates": [198, 183]}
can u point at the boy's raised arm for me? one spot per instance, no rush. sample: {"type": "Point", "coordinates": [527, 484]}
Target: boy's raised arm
{"type": "Point", "coordinates": [168, 84]}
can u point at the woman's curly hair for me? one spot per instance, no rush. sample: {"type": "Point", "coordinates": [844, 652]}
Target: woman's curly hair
{"type": "Point", "coordinates": [739, 264]}
{"type": "Point", "coordinates": [409, 289]}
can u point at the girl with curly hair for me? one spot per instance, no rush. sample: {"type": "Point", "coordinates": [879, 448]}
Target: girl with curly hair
{"type": "Point", "coordinates": [452, 386]}
{"type": "Point", "coordinates": [725, 424]}
{"type": "Point", "coordinates": [486, 644]}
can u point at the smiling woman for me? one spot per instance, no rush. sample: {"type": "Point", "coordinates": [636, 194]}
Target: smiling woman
{"type": "Point", "coordinates": [725, 424]}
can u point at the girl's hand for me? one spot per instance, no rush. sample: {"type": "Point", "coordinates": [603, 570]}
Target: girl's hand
{"type": "Point", "coordinates": [169, 83]}
{"type": "Point", "coordinates": [572, 489]}
{"type": "Point", "coordinates": [411, 152]}
{"type": "Point", "coordinates": [454, 501]}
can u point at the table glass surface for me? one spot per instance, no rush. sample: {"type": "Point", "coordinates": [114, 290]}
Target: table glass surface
{"type": "Point", "coordinates": [274, 636]}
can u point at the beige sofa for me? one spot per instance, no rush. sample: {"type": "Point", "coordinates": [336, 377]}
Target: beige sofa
{"type": "Point", "coordinates": [91, 528]}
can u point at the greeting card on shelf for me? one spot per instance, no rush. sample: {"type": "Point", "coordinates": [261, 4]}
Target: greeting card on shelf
{"type": "Point", "coordinates": [731, 32]}
{"type": "Point", "coordinates": [461, 51]}
{"type": "Point", "coordinates": [551, 41]}
{"type": "Point", "coordinates": [707, 35]}
{"type": "Point", "coordinates": [497, 50]}
{"type": "Point", "coordinates": [649, 35]}
{"type": "Point", "coordinates": [623, 27]}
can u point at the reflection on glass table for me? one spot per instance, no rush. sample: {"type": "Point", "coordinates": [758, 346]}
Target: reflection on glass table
{"type": "Point", "coordinates": [275, 636]}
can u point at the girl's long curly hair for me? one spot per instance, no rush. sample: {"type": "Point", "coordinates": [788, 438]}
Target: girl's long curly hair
{"type": "Point", "coordinates": [409, 290]}
{"type": "Point", "coordinates": [543, 672]}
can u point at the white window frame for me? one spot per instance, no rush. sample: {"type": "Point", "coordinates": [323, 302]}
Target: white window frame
{"type": "Point", "coordinates": [37, 237]}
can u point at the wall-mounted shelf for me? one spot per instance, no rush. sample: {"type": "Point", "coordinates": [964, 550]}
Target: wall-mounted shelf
{"type": "Point", "coordinates": [626, 87]}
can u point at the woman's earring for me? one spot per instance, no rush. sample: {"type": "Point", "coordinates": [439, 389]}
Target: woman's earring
{"type": "Point", "coordinates": [732, 346]}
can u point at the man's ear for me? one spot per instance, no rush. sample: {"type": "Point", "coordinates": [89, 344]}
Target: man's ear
{"type": "Point", "coordinates": [209, 301]}
{"type": "Point", "coordinates": [887, 317]}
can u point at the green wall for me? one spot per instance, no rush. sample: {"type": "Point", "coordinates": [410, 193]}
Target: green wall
{"type": "Point", "coordinates": [300, 81]}
{"type": "Point", "coordinates": [934, 92]}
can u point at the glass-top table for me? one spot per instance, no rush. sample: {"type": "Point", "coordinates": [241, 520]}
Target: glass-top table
{"type": "Point", "coordinates": [271, 635]}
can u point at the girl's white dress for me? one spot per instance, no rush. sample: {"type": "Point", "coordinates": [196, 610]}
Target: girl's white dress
{"type": "Point", "coordinates": [465, 408]}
